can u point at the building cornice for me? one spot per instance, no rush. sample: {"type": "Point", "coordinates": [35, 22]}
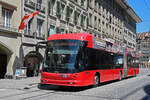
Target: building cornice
{"type": "Point", "coordinates": [2, 31]}
{"type": "Point", "coordinates": [8, 5]}
{"type": "Point", "coordinates": [129, 10]}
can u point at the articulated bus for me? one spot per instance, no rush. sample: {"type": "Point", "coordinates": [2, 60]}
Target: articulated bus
{"type": "Point", "coordinates": [80, 59]}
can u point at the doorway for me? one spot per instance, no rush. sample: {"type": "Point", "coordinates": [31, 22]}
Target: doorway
{"type": "Point", "coordinates": [3, 65]}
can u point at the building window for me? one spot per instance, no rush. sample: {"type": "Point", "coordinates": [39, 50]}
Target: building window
{"type": "Point", "coordinates": [76, 17]}
{"type": "Point", "coordinates": [71, 15]}
{"type": "Point", "coordinates": [62, 11]}
{"type": "Point", "coordinates": [90, 19]}
{"type": "Point", "coordinates": [87, 21]}
{"type": "Point", "coordinates": [95, 5]}
{"type": "Point", "coordinates": [62, 31]}
{"type": "Point", "coordinates": [95, 26]}
{"type": "Point", "coordinates": [90, 3]}
{"type": "Point", "coordinates": [39, 27]}
{"type": "Point", "coordinates": [82, 2]}
{"type": "Point", "coordinates": [57, 30]}
{"type": "Point", "coordinates": [52, 10]}
{"type": "Point", "coordinates": [103, 23]}
{"type": "Point", "coordinates": [58, 9]}
{"type": "Point", "coordinates": [99, 8]}
{"type": "Point", "coordinates": [99, 25]}
{"type": "Point", "coordinates": [126, 19]}
{"type": "Point", "coordinates": [39, 1]}
{"type": "Point", "coordinates": [6, 14]}
{"type": "Point", "coordinates": [110, 19]}
{"type": "Point", "coordinates": [28, 30]}
{"type": "Point", "coordinates": [107, 28]}
{"type": "Point", "coordinates": [51, 30]}
{"type": "Point", "coordinates": [76, 0]}
{"type": "Point", "coordinates": [82, 20]}
{"type": "Point", "coordinates": [67, 13]}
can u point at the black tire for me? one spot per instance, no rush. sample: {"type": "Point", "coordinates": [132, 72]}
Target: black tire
{"type": "Point", "coordinates": [96, 80]}
{"type": "Point", "coordinates": [120, 76]}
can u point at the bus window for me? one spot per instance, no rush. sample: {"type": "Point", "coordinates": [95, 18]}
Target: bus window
{"type": "Point", "coordinates": [118, 61]}
{"type": "Point", "coordinates": [98, 59]}
{"type": "Point", "coordinates": [132, 62]}
{"type": "Point", "coordinates": [108, 60]}
{"type": "Point", "coordinates": [80, 60]}
{"type": "Point", "coordinates": [92, 59]}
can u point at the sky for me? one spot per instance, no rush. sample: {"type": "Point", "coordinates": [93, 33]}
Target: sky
{"type": "Point", "coordinates": [142, 8]}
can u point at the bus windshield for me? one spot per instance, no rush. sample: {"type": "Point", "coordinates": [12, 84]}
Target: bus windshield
{"type": "Point", "coordinates": [60, 56]}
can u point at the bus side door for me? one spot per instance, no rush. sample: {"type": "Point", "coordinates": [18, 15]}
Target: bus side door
{"type": "Point", "coordinates": [107, 63]}
{"type": "Point", "coordinates": [118, 65]}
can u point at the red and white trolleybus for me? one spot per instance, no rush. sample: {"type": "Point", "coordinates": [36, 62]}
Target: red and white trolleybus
{"type": "Point", "coordinates": [80, 59]}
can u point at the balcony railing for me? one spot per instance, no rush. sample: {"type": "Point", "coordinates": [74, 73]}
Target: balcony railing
{"type": "Point", "coordinates": [30, 3]}
{"type": "Point", "coordinates": [52, 12]}
{"type": "Point", "coordinates": [33, 34]}
{"type": "Point", "coordinates": [38, 6]}
{"type": "Point", "coordinates": [8, 28]}
{"type": "Point", "coordinates": [29, 33]}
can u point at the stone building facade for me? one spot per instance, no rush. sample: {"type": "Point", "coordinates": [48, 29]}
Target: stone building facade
{"type": "Point", "coordinates": [113, 19]}
{"type": "Point", "coordinates": [10, 38]}
{"type": "Point", "coordinates": [143, 46]}
{"type": "Point", "coordinates": [109, 19]}
{"type": "Point", "coordinates": [34, 32]}
{"type": "Point", "coordinates": [17, 49]}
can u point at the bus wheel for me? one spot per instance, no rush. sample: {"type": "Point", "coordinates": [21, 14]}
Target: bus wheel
{"type": "Point", "coordinates": [120, 76]}
{"type": "Point", "coordinates": [96, 80]}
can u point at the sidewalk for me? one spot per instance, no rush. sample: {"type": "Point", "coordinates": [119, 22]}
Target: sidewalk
{"type": "Point", "coordinates": [144, 71]}
{"type": "Point", "coordinates": [19, 83]}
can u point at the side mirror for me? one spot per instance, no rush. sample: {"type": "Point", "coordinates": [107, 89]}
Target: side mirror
{"type": "Point", "coordinates": [40, 70]}
{"type": "Point", "coordinates": [41, 65]}
{"type": "Point", "coordinates": [38, 45]}
{"type": "Point", "coordinates": [85, 43]}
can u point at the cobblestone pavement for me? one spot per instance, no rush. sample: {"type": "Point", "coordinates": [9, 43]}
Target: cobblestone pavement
{"type": "Point", "coordinates": [136, 88]}
{"type": "Point", "coordinates": [19, 83]}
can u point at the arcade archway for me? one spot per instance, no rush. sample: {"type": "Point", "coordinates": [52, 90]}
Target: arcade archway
{"type": "Point", "coordinates": [3, 64]}
{"type": "Point", "coordinates": [5, 54]}
{"type": "Point", "coordinates": [32, 62]}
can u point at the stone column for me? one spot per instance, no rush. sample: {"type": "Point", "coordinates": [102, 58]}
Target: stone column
{"type": "Point", "coordinates": [1, 17]}
{"type": "Point", "coordinates": [10, 70]}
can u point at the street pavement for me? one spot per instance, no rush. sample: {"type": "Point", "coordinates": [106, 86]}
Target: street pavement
{"type": "Point", "coordinates": [19, 83]}
{"type": "Point", "coordinates": [135, 88]}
